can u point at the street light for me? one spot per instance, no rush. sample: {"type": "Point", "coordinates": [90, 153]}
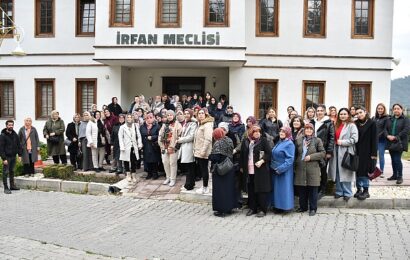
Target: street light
{"type": "Point", "coordinates": [17, 32]}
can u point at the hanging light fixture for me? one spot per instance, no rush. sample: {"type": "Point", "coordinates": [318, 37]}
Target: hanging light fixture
{"type": "Point", "coordinates": [16, 31]}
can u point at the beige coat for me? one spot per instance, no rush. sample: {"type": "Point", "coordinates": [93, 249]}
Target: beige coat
{"type": "Point", "coordinates": [175, 129]}
{"type": "Point", "coordinates": [203, 138]}
{"type": "Point", "coordinates": [129, 138]}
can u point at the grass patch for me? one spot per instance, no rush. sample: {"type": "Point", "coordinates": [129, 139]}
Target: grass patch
{"type": "Point", "coordinates": [94, 178]}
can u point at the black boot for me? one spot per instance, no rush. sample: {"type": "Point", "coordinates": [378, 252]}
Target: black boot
{"type": "Point", "coordinates": [6, 187]}
{"type": "Point", "coordinates": [364, 195]}
{"type": "Point", "coordinates": [12, 185]}
{"type": "Point", "coordinates": [155, 176]}
{"type": "Point", "coordinates": [149, 176]}
{"type": "Point", "coordinates": [358, 192]}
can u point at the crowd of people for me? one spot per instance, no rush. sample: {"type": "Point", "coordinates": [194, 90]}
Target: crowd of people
{"type": "Point", "coordinates": [271, 160]}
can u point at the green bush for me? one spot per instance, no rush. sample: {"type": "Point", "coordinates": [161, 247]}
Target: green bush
{"type": "Point", "coordinates": [18, 169]}
{"type": "Point", "coordinates": [43, 151]}
{"type": "Point", "coordinates": [58, 171]}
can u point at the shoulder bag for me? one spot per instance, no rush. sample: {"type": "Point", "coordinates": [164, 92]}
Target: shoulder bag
{"type": "Point", "coordinates": [350, 161]}
{"type": "Point", "coordinates": [394, 146]}
{"type": "Point", "coordinates": [224, 167]}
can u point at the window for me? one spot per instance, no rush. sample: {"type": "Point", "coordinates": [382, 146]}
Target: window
{"type": "Point", "coordinates": [168, 13]}
{"type": "Point", "coordinates": [362, 18]}
{"type": "Point", "coordinates": [216, 13]}
{"type": "Point", "coordinates": [44, 18]}
{"type": "Point", "coordinates": [265, 96]}
{"type": "Point", "coordinates": [86, 94]}
{"type": "Point", "coordinates": [7, 6]}
{"type": "Point", "coordinates": [6, 99]}
{"type": "Point", "coordinates": [85, 18]}
{"type": "Point", "coordinates": [313, 93]}
{"type": "Point", "coordinates": [359, 94]}
{"type": "Point", "coordinates": [315, 18]}
{"type": "Point", "coordinates": [121, 13]}
{"type": "Point", "coordinates": [44, 98]}
{"type": "Point", "coordinates": [267, 17]}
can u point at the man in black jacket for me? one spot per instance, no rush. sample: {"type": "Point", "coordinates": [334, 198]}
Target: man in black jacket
{"type": "Point", "coordinates": [9, 147]}
{"type": "Point", "coordinates": [325, 130]}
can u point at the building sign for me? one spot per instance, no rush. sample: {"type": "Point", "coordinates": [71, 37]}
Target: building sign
{"type": "Point", "coordinates": [206, 39]}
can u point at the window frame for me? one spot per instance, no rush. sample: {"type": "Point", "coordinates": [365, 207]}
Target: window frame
{"type": "Point", "coordinates": [365, 84]}
{"type": "Point", "coordinates": [10, 34]}
{"type": "Point", "coordinates": [208, 23]}
{"type": "Point", "coordinates": [1, 99]}
{"type": "Point", "coordinates": [160, 24]}
{"type": "Point", "coordinates": [323, 18]}
{"type": "Point", "coordinates": [112, 22]}
{"type": "Point", "coordinates": [78, 97]}
{"type": "Point", "coordinates": [259, 82]}
{"type": "Point", "coordinates": [37, 91]}
{"type": "Point", "coordinates": [322, 90]}
{"type": "Point", "coordinates": [37, 19]}
{"type": "Point", "coordinates": [275, 33]}
{"type": "Point", "coordinates": [371, 13]}
{"type": "Point", "coordinates": [78, 31]}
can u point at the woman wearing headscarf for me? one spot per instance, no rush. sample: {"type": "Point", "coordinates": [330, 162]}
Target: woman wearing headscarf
{"type": "Point", "coordinates": [72, 135]}
{"type": "Point", "coordinates": [149, 133]}
{"type": "Point", "coordinates": [30, 142]}
{"type": "Point", "coordinates": [186, 151]}
{"type": "Point", "coordinates": [283, 155]}
{"type": "Point", "coordinates": [54, 133]}
{"type": "Point", "coordinates": [309, 152]}
{"type": "Point", "coordinates": [346, 137]}
{"type": "Point", "coordinates": [223, 187]}
{"type": "Point", "coordinates": [110, 120]}
{"type": "Point", "coordinates": [254, 164]}
{"type": "Point", "coordinates": [117, 165]}
{"type": "Point", "coordinates": [87, 162]}
{"type": "Point", "coordinates": [168, 136]}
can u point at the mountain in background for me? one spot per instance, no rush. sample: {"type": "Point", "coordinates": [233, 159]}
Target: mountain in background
{"type": "Point", "coordinates": [400, 91]}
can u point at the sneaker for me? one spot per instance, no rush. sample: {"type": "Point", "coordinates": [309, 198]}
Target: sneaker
{"type": "Point", "coordinates": [206, 190]}
{"type": "Point", "coordinates": [96, 170]}
{"type": "Point", "coordinates": [171, 183]}
{"type": "Point", "coordinates": [399, 181]}
{"type": "Point", "coordinates": [167, 181]}
{"type": "Point", "coordinates": [250, 213]}
{"type": "Point", "coordinates": [7, 191]}
{"type": "Point", "coordinates": [382, 175]}
{"type": "Point", "coordinates": [200, 190]}
{"type": "Point", "coordinates": [392, 178]}
{"type": "Point", "coordinates": [312, 213]}
{"type": "Point", "coordinates": [260, 214]}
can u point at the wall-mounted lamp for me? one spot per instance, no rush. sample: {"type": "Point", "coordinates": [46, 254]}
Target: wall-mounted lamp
{"type": "Point", "coordinates": [107, 76]}
{"type": "Point", "coordinates": [214, 81]}
{"type": "Point", "coordinates": [150, 81]}
{"type": "Point", "coordinates": [8, 27]}
{"type": "Point", "coordinates": [396, 61]}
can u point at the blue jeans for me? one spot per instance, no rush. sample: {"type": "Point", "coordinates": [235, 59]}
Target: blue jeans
{"type": "Point", "coordinates": [381, 147]}
{"type": "Point", "coordinates": [343, 188]}
{"type": "Point", "coordinates": [362, 182]}
{"type": "Point", "coordinates": [396, 164]}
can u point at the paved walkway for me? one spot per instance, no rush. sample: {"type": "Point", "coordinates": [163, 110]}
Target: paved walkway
{"type": "Point", "coordinates": [51, 225]}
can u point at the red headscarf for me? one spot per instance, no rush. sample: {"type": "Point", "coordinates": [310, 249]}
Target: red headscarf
{"type": "Point", "coordinates": [218, 134]}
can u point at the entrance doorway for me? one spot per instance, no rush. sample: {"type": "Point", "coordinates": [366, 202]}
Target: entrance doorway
{"type": "Point", "coordinates": [183, 86]}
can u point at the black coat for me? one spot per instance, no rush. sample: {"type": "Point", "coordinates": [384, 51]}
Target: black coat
{"type": "Point", "coordinates": [381, 123]}
{"type": "Point", "coordinates": [263, 181]}
{"type": "Point", "coordinates": [271, 128]}
{"type": "Point", "coordinates": [71, 134]}
{"type": "Point", "coordinates": [326, 133]}
{"type": "Point", "coordinates": [402, 130]}
{"type": "Point", "coordinates": [116, 109]}
{"type": "Point", "coordinates": [9, 145]}
{"type": "Point", "coordinates": [366, 147]}
{"type": "Point", "coordinates": [151, 148]}
{"type": "Point", "coordinates": [115, 141]}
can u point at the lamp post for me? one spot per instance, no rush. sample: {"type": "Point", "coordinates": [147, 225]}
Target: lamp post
{"type": "Point", "coordinates": [16, 31]}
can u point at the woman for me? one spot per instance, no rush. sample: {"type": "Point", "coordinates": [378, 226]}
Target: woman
{"type": "Point", "coordinates": [292, 115]}
{"type": "Point", "coordinates": [236, 129]}
{"type": "Point", "coordinates": [207, 101]}
{"type": "Point", "coordinates": [381, 119]}
{"type": "Point", "coordinates": [297, 125]}
{"type": "Point", "coordinates": [346, 137]}
{"type": "Point", "coordinates": [309, 152]}
{"type": "Point", "coordinates": [203, 146]}
{"type": "Point", "coordinates": [54, 133]}
{"type": "Point", "coordinates": [223, 190]}
{"type": "Point", "coordinates": [228, 115]}
{"type": "Point", "coordinates": [353, 113]}
{"type": "Point", "coordinates": [117, 165]}
{"type": "Point", "coordinates": [212, 106]}
{"type": "Point", "coordinates": [168, 136]}
{"type": "Point", "coordinates": [114, 107]}
{"type": "Point", "coordinates": [254, 164]}
{"type": "Point", "coordinates": [30, 142]}
{"type": "Point", "coordinates": [283, 155]}
{"type": "Point", "coordinates": [218, 114]}
{"type": "Point", "coordinates": [270, 126]}
{"type": "Point", "coordinates": [86, 160]}
{"type": "Point", "coordinates": [194, 101]}
{"type": "Point", "coordinates": [72, 135]}
{"type": "Point", "coordinates": [366, 149]}
{"type": "Point", "coordinates": [310, 115]}
{"type": "Point", "coordinates": [398, 128]}
{"type": "Point", "coordinates": [94, 142]}
{"type": "Point", "coordinates": [129, 137]}
{"type": "Point", "coordinates": [333, 114]}
{"type": "Point", "coordinates": [186, 151]}
{"type": "Point", "coordinates": [149, 134]}
{"type": "Point", "coordinates": [110, 120]}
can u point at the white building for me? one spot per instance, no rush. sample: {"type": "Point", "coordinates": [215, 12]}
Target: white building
{"type": "Point", "coordinates": [258, 52]}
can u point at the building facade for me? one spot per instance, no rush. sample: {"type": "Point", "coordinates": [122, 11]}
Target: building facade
{"type": "Point", "coordinates": [260, 53]}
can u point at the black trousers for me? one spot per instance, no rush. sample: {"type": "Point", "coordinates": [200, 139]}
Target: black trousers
{"type": "Point", "coordinates": [8, 170]}
{"type": "Point", "coordinates": [133, 161]}
{"type": "Point", "coordinates": [203, 169]}
{"type": "Point", "coordinates": [74, 156]}
{"type": "Point", "coordinates": [323, 178]}
{"type": "Point", "coordinates": [190, 177]}
{"type": "Point", "coordinates": [62, 157]}
{"type": "Point", "coordinates": [151, 167]}
{"type": "Point", "coordinates": [256, 200]}
{"type": "Point", "coordinates": [308, 194]}
{"type": "Point", "coordinates": [28, 168]}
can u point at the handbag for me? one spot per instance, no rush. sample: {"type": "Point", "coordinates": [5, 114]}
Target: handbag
{"type": "Point", "coordinates": [350, 161]}
{"type": "Point", "coordinates": [54, 139]}
{"type": "Point", "coordinates": [395, 146]}
{"type": "Point", "coordinates": [224, 167]}
{"type": "Point", "coordinates": [376, 173]}
{"type": "Point", "coordinates": [67, 142]}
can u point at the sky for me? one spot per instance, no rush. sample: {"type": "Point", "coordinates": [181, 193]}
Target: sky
{"type": "Point", "coordinates": [401, 38]}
